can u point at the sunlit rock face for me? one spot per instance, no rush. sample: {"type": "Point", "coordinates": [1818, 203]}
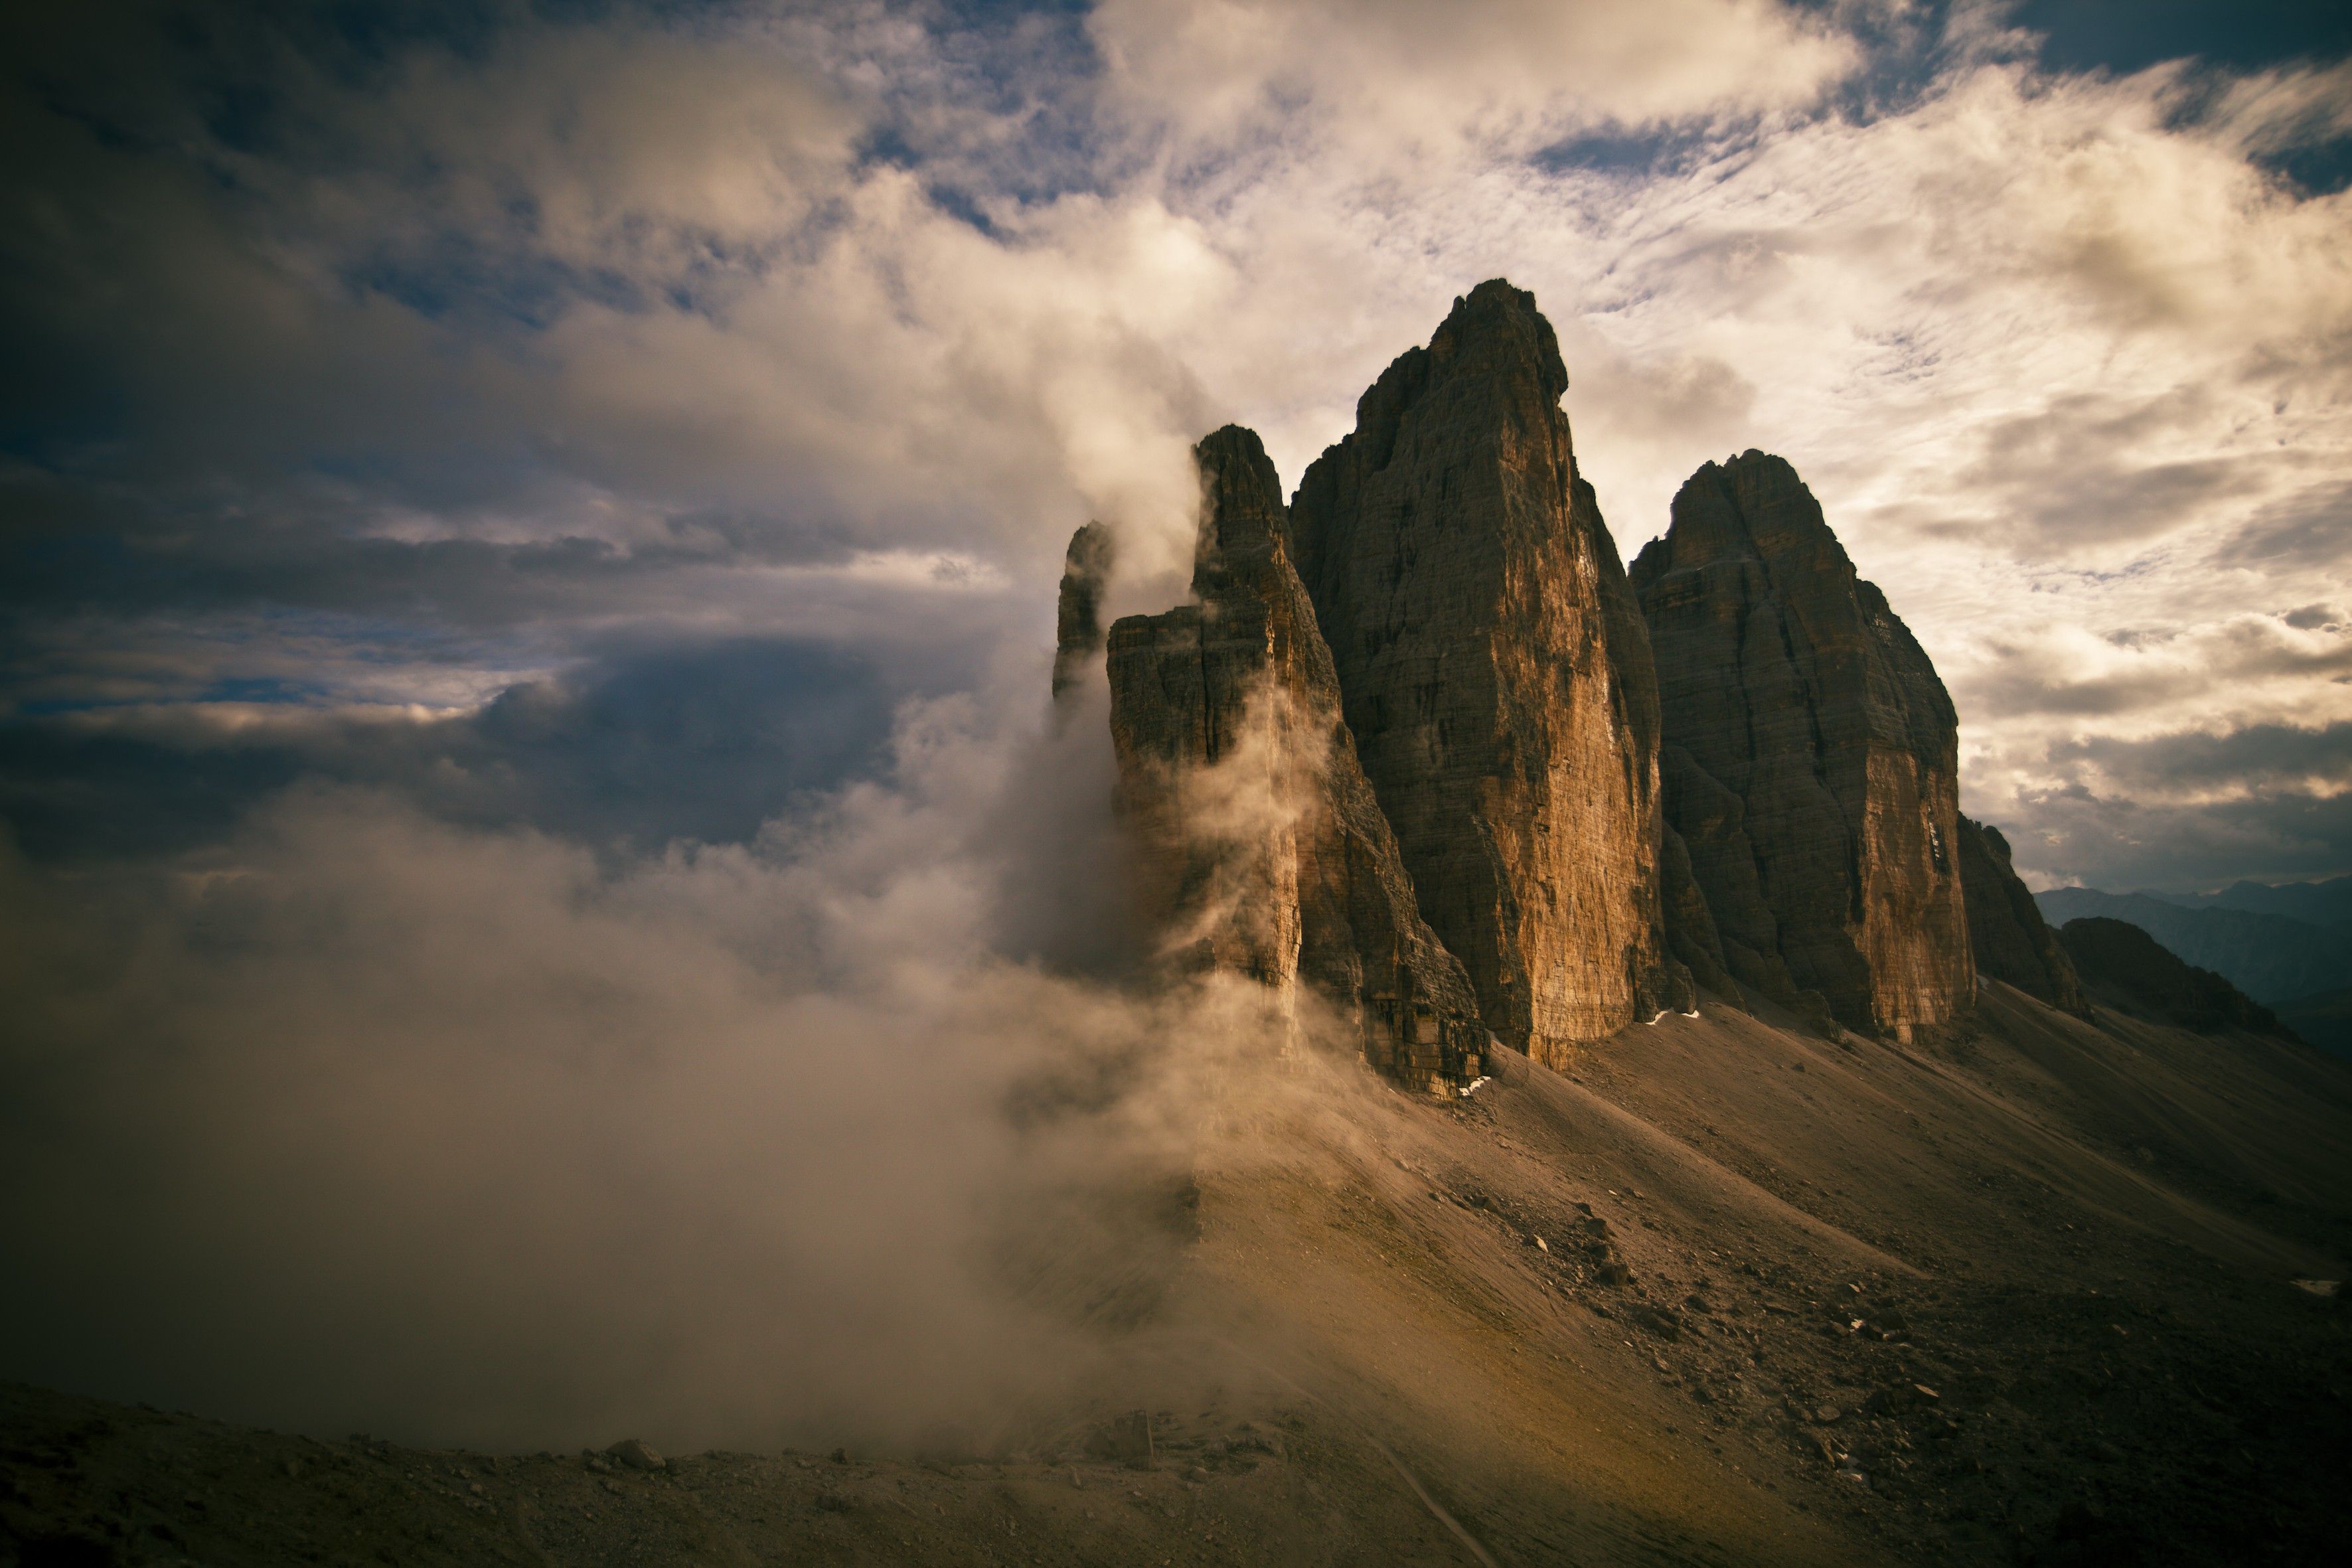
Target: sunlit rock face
{"type": "Point", "coordinates": [1812, 732]}
{"type": "Point", "coordinates": [1261, 848]}
{"type": "Point", "coordinates": [2010, 940]}
{"type": "Point", "coordinates": [1493, 667]}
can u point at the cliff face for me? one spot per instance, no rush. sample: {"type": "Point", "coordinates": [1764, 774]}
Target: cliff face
{"type": "Point", "coordinates": [1077, 610]}
{"type": "Point", "coordinates": [1493, 667]}
{"type": "Point", "coordinates": [2006, 929]}
{"type": "Point", "coordinates": [1817, 784]}
{"type": "Point", "coordinates": [1262, 850]}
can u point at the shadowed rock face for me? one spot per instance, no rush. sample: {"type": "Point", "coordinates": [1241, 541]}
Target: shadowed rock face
{"type": "Point", "coordinates": [1262, 850]}
{"type": "Point", "coordinates": [1790, 686]}
{"type": "Point", "coordinates": [2006, 930]}
{"type": "Point", "coordinates": [1078, 617]}
{"type": "Point", "coordinates": [1494, 669]}
{"type": "Point", "coordinates": [2133, 965]}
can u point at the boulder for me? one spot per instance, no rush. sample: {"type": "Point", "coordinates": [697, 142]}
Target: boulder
{"type": "Point", "coordinates": [633, 1453]}
{"type": "Point", "coordinates": [1494, 672]}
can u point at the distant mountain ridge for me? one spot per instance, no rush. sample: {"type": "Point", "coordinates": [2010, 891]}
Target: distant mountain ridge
{"type": "Point", "coordinates": [2328, 903]}
{"type": "Point", "coordinates": [2128, 963]}
{"type": "Point", "coordinates": [2273, 958]}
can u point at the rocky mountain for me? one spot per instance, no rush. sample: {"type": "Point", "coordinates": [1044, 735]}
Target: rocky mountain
{"type": "Point", "coordinates": [2006, 930]}
{"type": "Point", "coordinates": [2325, 903]}
{"type": "Point", "coordinates": [2126, 964]}
{"type": "Point", "coordinates": [1812, 753]}
{"type": "Point", "coordinates": [1264, 850]}
{"type": "Point", "coordinates": [1493, 668]}
{"type": "Point", "coordinates": [2271, 957]}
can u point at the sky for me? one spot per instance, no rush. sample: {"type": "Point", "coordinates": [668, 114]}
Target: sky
{"type": "Point", "coordinates": [527, 537]}
{"type": "Point", "coordinates": [603, 417]}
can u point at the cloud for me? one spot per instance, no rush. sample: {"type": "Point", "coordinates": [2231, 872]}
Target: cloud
{"type": "Point", "coordinates": [1399, 78]}
{"type": "Point", "coordinates": [359, 1118]}
{"type": "Point", "coordinates": [703, 742]}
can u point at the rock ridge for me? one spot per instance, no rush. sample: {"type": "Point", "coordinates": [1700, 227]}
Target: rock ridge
{"type": "Point", "coordinates": [2010, 940]}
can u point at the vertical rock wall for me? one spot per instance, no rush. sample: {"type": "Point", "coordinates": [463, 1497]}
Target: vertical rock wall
{"type": "Point", "coordinates": [1263, 850]}
{"type": "Point", "coordinates": [1814, 755]}
{"type": "Point", "coordinates": [1494, 669]}
{"type": "Point", "coordinates": [2006, 930]}
{"type": "Point", "coordinates": [1077, 610]}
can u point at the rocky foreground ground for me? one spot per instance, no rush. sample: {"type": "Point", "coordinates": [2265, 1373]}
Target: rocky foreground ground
{"type": "Point", "coordinates": [1726, 1291]}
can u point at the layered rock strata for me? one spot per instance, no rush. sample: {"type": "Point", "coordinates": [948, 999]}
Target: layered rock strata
{"type": "Point", "coordinates": [2006, 930]}
{"type": "Point", "coordinates": [1493, 668]}
{"type": "Point", "coordinates": [1263, 850]}
{"type": "Point", "coordinates": [1818, 753]}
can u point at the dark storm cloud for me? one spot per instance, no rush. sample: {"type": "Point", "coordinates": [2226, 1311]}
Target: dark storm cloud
{"type": "Point", "coordinates": [109, 547]}
{"type": "Point", "coordinates": [2115, 841]}
{"type": "Point", "coordinates": [674, 742]}
{"type": "Point", "coordinates": [2260, 758]}
{"type": "Point", "coordinates": [2191, 809]}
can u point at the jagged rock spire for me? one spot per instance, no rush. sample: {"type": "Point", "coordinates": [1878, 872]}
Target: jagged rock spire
{"type": "Point", "coordinates": [1495, 673]}
{"type": "Point", "coordinates": [2006, 930]}
{"type": "Point", "coordinates": [1263, 850]}
{"type": "Point", "coordinates": [1817, 779]}
{"type": "Point", "coordinates": [1078, 617]}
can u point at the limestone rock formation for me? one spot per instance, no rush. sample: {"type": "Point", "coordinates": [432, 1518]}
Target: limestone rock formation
{"type": "Point", "coordinates": [1077, 618]}
{"type": "Point", "coordinates": [2006, 929]}
{"type": "Point", "coordinates": [1691, 933]}
{"type": "Point", "coordinates": [1494, 670]}
{"type": "Point", "coordinates": [1262, 847]}
{"type": "Point", "coordinates": [1812, 728]}
{"type": "Point", "coordinates": [1711, 823]}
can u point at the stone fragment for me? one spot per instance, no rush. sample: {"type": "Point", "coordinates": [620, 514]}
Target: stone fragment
{"type": "Point", "coordinates": [1495, 671]}
{"type": "Point", "coordinates": [1790, 686]}
{"type": "Point", "coordinates": [1261, 848]}
{"type": "Point", "coordinates": [2006, 930]}
{"type": "Point", "coordinates": [633, 1453]}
